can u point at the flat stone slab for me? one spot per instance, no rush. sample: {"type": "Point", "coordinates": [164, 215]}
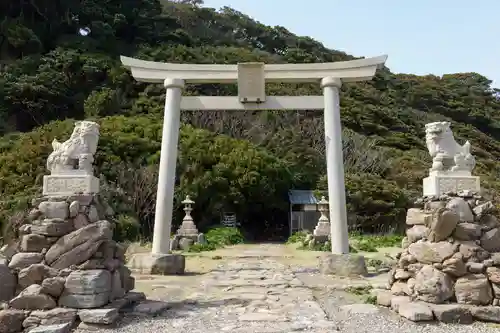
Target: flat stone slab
{"type": "Point", "coordinates": [158, 264]}
{"type": "Point", "coordinates": [360, 308]}
{"type": "Point", "coordinates": [150, 308]}
{"type": "Point", "coordinates": [58, 328]}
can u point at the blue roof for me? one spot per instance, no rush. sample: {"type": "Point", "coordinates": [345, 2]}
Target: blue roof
{"type": "Point", "coordinates": [302, 197]}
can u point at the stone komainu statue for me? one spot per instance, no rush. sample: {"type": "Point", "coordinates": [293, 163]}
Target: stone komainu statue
{"type": "Point", "coordinates": [75, 155]}
{"type": "Point", "coordinates": [446, 153]}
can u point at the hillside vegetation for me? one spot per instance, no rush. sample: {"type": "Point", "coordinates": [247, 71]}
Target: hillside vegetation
{"type": "Point", "coordinates": [59, 61]}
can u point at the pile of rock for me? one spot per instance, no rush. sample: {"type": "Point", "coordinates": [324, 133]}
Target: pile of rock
{"type": "Point", "coordinates": [64, 262]}
{"type": "Point", "coordinates": [450, 266]}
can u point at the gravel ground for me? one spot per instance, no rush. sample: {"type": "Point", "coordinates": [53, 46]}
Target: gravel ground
{"type": "Point", "coordinates": [255, 294]}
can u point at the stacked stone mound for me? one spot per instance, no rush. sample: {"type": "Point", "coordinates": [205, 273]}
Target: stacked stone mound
{"type": "Point", "coordinates": [64, 267]}
{"type": "Point", "coordinates": [450, 266]}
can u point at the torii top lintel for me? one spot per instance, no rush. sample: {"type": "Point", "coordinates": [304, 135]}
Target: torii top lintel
{"type": "Point", "coordinates": [348, 71]}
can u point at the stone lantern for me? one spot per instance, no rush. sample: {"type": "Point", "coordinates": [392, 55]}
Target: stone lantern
{"type": "Point", "coordinates": [188, 228]}
{"type": "Point", "coordinates": [322, 230]}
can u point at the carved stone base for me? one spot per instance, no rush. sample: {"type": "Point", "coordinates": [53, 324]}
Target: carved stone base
{"type": "Point", "coordinates": [67, 185]}
{"type": "Point", "coordinates": [322, 229]}
{"type": "Point", "coordinates": [441, 184]}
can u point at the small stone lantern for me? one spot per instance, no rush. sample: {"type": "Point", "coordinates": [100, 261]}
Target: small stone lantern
{"type": "Point", "coordinates": [188, 228]}
{"type": "Point", "coordinates": [322, 230]}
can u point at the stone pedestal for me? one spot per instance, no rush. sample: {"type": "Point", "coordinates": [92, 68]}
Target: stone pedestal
{"type": "Point", "coordinates": [441, 183]}
{"type": "Point", "coordinates": [61, 185]}
{"type": "Point", "coordinates": [158, 264]}
{"type": "Point", "coordinates": [343, 264]}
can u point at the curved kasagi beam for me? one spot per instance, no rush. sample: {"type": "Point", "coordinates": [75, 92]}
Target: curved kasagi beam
{"type": "Point", "coordinates": [348, 71]}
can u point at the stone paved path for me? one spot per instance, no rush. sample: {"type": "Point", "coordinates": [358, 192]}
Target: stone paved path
{"type": "Point", "coordinates": [255, 292]}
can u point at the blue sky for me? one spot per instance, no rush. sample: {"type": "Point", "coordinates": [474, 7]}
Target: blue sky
{"type": "Point", "coordinates": [420, 36]}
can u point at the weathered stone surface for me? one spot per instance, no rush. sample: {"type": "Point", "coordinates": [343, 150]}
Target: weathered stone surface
{"type": "Point", "coordinates": [442, 225]}
{"type": "Point", "coordinates": [360, 308]}
{"type": "Point", "coordinates": [473, 289]}
{"type": "Point", "coordinates": [486, 313]}
{"type": "Point", "coordinates": [400, 289]}
{"type": "Point", "coordinates": [493, 274]}
{"type": "Point", "coordinates": [8, 283]}
{"type": "Point", "coordinates": [88, 282]}
{"type": "Point", "coordinates": [52, 227]}
{"type": "Point", "coordinates": [402, 274]}
{"type": "Point", "coordinates": [74, 208]}
{"type": "Point", "coordinates": [25, 259]}
{"type": "Point", "coordinates": [34, 214]}
{"type": "Point", "coordinates": [33, 243]}
{"type": "Point", "coordinates": [117, 290]}
{"type": "Point", "coordinates": [32, 298]}
{"type": "Point", "coordinates": [452, 313]}
{"type": "Point", "coordinates": [11, 321]}
{"type": "Point", "coordinates": [185, 243]}
{"type": "Point", "coordinates": [77, 301]}
{"type": "Point", "coordinates": [99, 316]}
{"type": "Point", "coordinates": [201, 239]}
{"type": "Point", "coordinates": [417, 232]}
{"type": "Point", "coordinates": [428, 253]}
{"type": "Point", "coordinates": [54, 210]}
{"type": "Point", "coordinates": [149, 307]}
{"type": "Point", "coordinates": [128, 282]}
{"type": "Point", "coordinates": [162, 264]}
{"type": "Point", "coordinates": [80, 221]}
{"type": "Point", "coordinates": [490, 241]}
{"type": "Point", "coordinates": [56, 328]}
{"type": "Point", "coordinates": [396, 301]}
{"type": "Point", "coordinates": [35, 274]}
{"type": "Point", "coordinates": [467, 231]}
{"type": "Point", "coordinates": [343, 264]}
{"type": "Point", "coordinates": [76, 255]}
{"type": "Point", "coordinates": [484, 208]}
{"type": "Point", "coordinates": [432, 285]}
{"type": "Point", "coordinates": [101, 230]}
{"type": "Point", "coordinates": [455, 266]}
{"type": "Point", "coordinates": [416, 311]}
{"type": "Point", "coordinates": [93, 214]}
{"type": "Point", "coordinates": [489, 222]}
{"type": "Point", "coordinates": [9, 250]}
{"type": "Point", "coordinates": [433, 205]}
{"type": "Point", "coordinates": [472, 252]}
{"type": "Point", "coordinates": [53, 286]}
{"type": "Point", "coordinates": [461, 208]}
{"type": "Point", "coordinates": [475, 267]}
{"type": "Point", "coordinates": [78, 246]}
{"type": "Point", "coordinates": [384, 298]}
{"type": "Point", "coordinates": [50, 317]}
{"type": "Point", "coordinates": [415, 216]}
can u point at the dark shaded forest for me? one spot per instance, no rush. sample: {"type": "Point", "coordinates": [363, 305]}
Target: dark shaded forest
{"type": "Point", "coordinates": [59, 61]}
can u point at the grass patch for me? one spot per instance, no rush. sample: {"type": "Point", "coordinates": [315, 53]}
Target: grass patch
{"type": "Point", "coordinates": [358, 242]}
{"type": "Point", "coordinates": [297, 237]}
{"type": "Point", "coordinates": [359, 291]}
{"type": "Point", "coordinates": [377, 241]}
{"type": "Point", "coordinates": [371, 299]}
{"type": "Point", "coordinates": [218, 237]}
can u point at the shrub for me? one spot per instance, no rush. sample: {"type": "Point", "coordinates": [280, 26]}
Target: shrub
{"type": "Point", "coordinates": [222, 236]}
{"type": "Point", "coordinates": [297, 237]}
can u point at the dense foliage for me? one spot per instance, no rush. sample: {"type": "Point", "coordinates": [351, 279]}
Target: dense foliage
{"type": "Point", "coordinates": [60, 60]}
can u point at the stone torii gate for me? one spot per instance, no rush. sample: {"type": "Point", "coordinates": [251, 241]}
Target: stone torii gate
{"type": "Point", "coordinates": [251, 79]}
